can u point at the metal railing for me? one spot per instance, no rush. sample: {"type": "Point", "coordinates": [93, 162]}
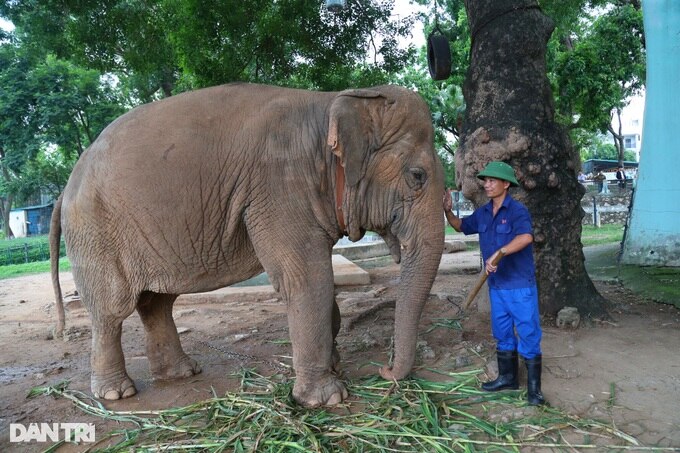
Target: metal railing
{"type": "Point", "coordinates": [27, 253]}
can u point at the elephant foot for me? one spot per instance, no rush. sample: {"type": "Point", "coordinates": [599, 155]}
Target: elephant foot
{"type": "Point", "coordinates": [182, 368]}
{"type": "Point", "coordinates": [327, 391]}
{"type": "Point", "coordinates": [113, 387]}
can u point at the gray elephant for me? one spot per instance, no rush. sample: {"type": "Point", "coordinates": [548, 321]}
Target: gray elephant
{"type": "Point", "coordinates": [209, 188]}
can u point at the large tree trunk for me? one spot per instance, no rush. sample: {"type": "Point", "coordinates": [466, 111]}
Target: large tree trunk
{"type": "Point", "coordinates": [510, 117]}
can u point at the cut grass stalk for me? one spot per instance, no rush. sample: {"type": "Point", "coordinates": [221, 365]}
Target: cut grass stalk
{"type": "Point", "coordinates": [416, 415]}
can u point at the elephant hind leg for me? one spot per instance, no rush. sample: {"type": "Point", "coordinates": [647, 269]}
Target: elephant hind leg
{"type": "Point", "coordinates": [167, 359]}
{"type": "Point", "coordinates": [109, 379]}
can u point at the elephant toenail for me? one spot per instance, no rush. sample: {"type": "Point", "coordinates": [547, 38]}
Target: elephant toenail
{"type": "Point", "coordinates": [112, 395]}
{"type": "Point", "coordinates": [335, 399]}
{"type": "Point", "coordinates": [129, 392]}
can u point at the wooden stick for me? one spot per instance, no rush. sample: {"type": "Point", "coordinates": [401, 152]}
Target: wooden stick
{"type": "Point", "coordinates": [480, 282]}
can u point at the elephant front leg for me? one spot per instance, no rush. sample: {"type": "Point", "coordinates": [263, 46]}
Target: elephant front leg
{"type": "Point", "coordinates": [315, 358]}
{"type": "Point", "coordinates": [167, 359]}
{"type": "Point", "coordinates": [314, 321]}
{"type": "Point", "coordinates": [300, 268]}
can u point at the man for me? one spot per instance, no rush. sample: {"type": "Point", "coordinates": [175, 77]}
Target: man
{"type": "Point", "coordinates": [621, 177]}
{"type": "Point", "coordinates": [601, 182]}
{"type": "Point", "coordinates": [504, 225]}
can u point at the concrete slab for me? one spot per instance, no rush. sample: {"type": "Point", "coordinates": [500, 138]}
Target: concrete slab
{"type": "Point", "coordinates": [362, 250]}
{"type": "Point", "coordinates": [345, 272]}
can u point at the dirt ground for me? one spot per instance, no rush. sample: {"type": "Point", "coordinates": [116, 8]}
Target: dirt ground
{"type": "Point", "coordinates": [635, 355]}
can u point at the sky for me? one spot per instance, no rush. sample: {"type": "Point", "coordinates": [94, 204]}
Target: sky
{"type": "Point", "coordinates": [404, 7]}
{"type": "Point", "coordinates": [5, 25]}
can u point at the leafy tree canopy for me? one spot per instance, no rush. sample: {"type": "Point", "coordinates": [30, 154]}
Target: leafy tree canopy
{"type": "Point", "coordinates": [50, 111]}
{"type": "Point", "coordinates": [167, 46]}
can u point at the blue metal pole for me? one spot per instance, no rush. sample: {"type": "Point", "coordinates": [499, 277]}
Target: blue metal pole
{"type": "Point", "coordinates": [654, 234]}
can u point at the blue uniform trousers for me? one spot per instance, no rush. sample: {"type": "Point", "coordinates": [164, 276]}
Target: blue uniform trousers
{"type": "Point", "coordinates": [516, 310]}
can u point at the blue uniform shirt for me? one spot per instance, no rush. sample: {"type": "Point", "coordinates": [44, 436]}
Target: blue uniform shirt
{"type": "Point", "coordinates": [513, 218]}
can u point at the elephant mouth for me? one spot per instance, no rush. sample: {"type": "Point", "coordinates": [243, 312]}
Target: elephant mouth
{"type": "Point", "coordinates": [393, 244]}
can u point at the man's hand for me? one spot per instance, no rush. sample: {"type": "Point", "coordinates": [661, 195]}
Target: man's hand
{"type": "Point", "coordinates": [489, 266]}
{"type": "Point", "coordinates": [448, 203]}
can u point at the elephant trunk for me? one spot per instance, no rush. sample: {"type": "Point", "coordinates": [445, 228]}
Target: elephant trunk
{"type": "Point", "coordinates": [420, 261]}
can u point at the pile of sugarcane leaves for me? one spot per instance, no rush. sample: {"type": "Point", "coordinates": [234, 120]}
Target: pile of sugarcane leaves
{"type": "Point", "coordinates": [381, 416]}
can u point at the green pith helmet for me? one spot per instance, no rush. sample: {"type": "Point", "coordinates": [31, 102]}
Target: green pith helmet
{"type": "Point", "coordinates": [499, 170]}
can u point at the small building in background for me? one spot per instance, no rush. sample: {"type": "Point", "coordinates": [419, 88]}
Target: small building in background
{"type": "Point", "coordinates": [30, 220]}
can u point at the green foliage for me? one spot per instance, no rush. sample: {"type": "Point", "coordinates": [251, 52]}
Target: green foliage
{"type": "Point", "coordinates": [72, 104]}
{"type": "Point", "coordinates": [594, 146]}
{"type": "Point", "coordinates": [448, 414]}
{"type": "Point", "coordinates": [595, 62]}
{"type": "Point", "coordinates": [445, 98]}
{"type": "Point", "coordinates": [54, 92]}
{"type": "Point", "coordinates": [160, 47]}
{"type": "Point", "coordinates": [599, 66]}
{"type": "Point", "coordinates": [47, 173]}
{"type": "Point", "coordinates": [50, 111]}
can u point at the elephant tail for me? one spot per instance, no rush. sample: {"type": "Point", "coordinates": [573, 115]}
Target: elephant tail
{"type": "Point", "coordinates": [55, 239]}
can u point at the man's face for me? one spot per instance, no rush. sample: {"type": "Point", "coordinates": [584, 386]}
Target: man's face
{"type": "Point", "coordinates": [495, 187]}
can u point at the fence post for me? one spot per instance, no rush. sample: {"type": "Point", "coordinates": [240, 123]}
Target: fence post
{"type": "Point", "coordinates": [26, 252]}
{"type": "Point", "coordinates": [596, 216]}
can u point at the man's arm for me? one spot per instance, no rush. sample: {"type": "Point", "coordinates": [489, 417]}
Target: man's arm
{"type": "Point", "coordinates": [518, 243]}
{"type": "Point", "coordinates": [454, 221]}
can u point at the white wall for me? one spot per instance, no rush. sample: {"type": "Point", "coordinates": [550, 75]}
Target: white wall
{"type": "Point", "coordinates": [17, 222]}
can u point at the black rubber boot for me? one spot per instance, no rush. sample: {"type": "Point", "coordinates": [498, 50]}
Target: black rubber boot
{"type": "Point", "coordinates": [508, 362]}
{"type": "Point", "coordinates": [534, 395]}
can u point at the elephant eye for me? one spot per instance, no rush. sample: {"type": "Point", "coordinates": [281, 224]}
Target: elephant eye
{"type": "Point", "coordinates": [415, 178]}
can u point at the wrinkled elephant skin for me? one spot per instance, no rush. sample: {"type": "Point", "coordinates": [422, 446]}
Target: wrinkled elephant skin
{"type": "Point", "coordinates": [209, 188]}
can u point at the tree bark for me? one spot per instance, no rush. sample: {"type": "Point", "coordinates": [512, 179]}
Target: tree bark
{"type": "Point", "coordinates": [6, 202]}
{"type": "Point", "coordinates": [510, 116]}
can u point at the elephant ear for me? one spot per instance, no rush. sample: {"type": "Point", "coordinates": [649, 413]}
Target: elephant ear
{"type": "Point", "coordinates": [354, 129]}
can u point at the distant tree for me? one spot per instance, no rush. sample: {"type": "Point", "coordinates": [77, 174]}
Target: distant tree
{"type": "Point", "coordinates": [123, 37]}
{"type": "Point", "coordinates": [18, 138]}
{"type": "Point", "coordinates": [50, 111]}
{"type": "Point", "coordinates": [47, 173]}
{"type": "Point", "coordinates": [599, 149]}
{"type": "Point", "coordinates": [166, 46]}
{"type": "Point", "coordinates": [73, 105]}
{"type": "Point", "coordinates": [598, 68]}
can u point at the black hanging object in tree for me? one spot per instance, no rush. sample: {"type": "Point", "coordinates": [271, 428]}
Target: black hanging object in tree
{"type": "Point", "coordinates": [335, 6]}
{"type": "Point", "coordinates": [438, 52]}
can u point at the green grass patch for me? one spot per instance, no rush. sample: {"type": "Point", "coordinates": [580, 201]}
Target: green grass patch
{"type": "Point", "coordinates": [590, 235]}
{"type": "Point", "coordinates": [381, 416]}
{"type": "Point", "coordinates": [30, 240]}
{"type": "Point", "coordinates": [27, 250]}
{"type": "Point", "coordinates": [606, 234]}
{"type": "Point", "coordinates": [660, 284]}
{"type": "Point", "coordinates": [37, 267]}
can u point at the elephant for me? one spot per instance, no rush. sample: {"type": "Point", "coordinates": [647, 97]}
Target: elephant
{"type": "Point", "coordinates": [207, 188]}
